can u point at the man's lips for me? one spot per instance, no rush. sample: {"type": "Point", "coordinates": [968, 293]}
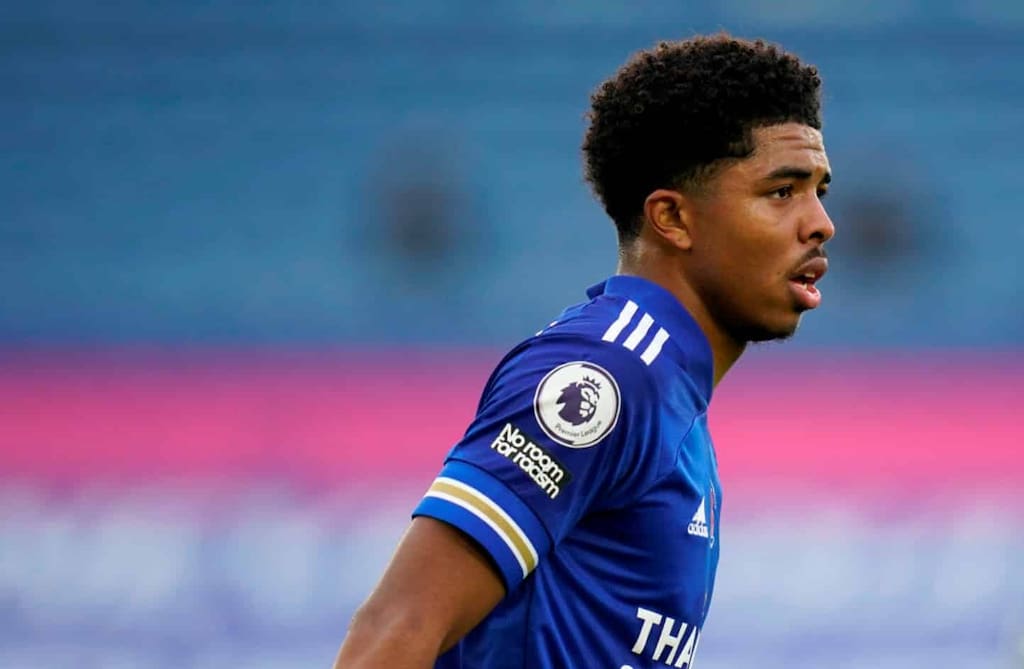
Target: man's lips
{"type": "Point", "coordinates": [810, 271]}
{"type": "Point", "coordinates": [804, 278]}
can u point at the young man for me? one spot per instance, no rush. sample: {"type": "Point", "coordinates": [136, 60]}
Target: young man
{"type": "Point", "coordinates": [576, 522]}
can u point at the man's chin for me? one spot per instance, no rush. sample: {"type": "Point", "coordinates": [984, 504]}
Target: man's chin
{"type": "Point", "coordinates": [775, 332]}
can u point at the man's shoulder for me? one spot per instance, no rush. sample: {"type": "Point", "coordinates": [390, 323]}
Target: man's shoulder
{"type": "Point", "coordinates": [588, 331]}
{"type": "Point", "coordinates": [625, 337]}
{"type": "Point", "coordinates": [596, 333]}
{"type": "Point", "coordinates": [614, 327]}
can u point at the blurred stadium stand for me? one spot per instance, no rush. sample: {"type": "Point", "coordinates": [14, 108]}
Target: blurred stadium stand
{"type": "Point", "coordinates": [234, 238]}
{"type": "Point", "coordinates": [212, 172]}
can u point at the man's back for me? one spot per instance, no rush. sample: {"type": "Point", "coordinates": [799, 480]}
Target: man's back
{"type": "Point", "coordinates": [589, 478]}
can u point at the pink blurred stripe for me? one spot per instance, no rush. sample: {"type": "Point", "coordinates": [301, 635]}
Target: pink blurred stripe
{"type": "Point", "coordinates": [928, 424]}
{"type": "Point", "coordinates": [835, 421]}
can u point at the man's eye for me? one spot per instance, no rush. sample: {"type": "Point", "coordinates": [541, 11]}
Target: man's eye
{"type": "Point", "coordinates": [822, 192]}
{"type": "Point", "coordinates": [782, 193]}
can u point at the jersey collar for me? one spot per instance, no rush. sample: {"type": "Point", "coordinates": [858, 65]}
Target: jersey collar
{"type": "Point", "coordinates": [691, 348]}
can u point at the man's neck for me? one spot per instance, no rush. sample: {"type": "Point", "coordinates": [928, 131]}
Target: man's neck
{"type": "Point", "coordinates": [725, 350]}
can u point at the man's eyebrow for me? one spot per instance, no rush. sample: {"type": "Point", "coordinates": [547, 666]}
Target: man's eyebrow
{"type": "Point", "coordinates": [798, 173]}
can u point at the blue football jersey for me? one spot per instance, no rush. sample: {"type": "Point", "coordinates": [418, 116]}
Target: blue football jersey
{"type": "Point", "coordinates": [589, 478]}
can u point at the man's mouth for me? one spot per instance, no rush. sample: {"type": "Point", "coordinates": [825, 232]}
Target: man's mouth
{"type": "Point", "coordinates": [804, 279]}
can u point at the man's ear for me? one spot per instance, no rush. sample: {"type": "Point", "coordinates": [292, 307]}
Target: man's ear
{"type": "Point", "coordinates": [667, 214]}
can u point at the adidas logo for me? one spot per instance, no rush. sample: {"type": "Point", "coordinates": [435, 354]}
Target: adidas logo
{"type": "Point", "coordinates": [698, 526]}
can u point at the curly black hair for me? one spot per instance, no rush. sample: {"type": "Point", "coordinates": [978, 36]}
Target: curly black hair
{"type": "Point", "coordinates": [671, 113]}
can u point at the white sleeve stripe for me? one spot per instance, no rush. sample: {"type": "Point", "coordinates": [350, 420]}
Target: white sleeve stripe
{"type": "Point", "coordinates": [639, 332]}
{"type": "Point", "coordinates": [654, 348]}
{"type": "Point", "coordinates": [490, 523]}
{"type": "Point", "coordinates": [625, 316]}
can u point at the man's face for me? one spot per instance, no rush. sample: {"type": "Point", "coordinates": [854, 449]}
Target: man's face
{"type": "Point", "coordinates": [758, 232]}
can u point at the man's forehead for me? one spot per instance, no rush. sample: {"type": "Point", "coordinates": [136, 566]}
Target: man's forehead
{"type": "Point", "coordinates": [786, 142]}
{"type": "Point", "coordinates": [789, 132]}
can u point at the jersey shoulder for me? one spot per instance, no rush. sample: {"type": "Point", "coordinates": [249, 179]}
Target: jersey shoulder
{"type": "Point", "coordinates": [608, 346]}
{"type": "Point", "coordinates": [614, 327]}
{"type": "Point", "coordinates": [580, 334]}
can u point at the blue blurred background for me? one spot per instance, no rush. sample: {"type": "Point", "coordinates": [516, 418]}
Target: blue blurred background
{"type": "Point", "coordinates": [409, 172]}
{"type": "Point", "coordinates": [374, 180]}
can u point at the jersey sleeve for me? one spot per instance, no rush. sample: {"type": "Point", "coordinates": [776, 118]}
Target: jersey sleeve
{"type": "Point", "coordinates": [566, 426]}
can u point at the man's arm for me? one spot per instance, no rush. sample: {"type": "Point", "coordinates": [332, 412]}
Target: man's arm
{"type": "Point", "coordinates": [438, 586]}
